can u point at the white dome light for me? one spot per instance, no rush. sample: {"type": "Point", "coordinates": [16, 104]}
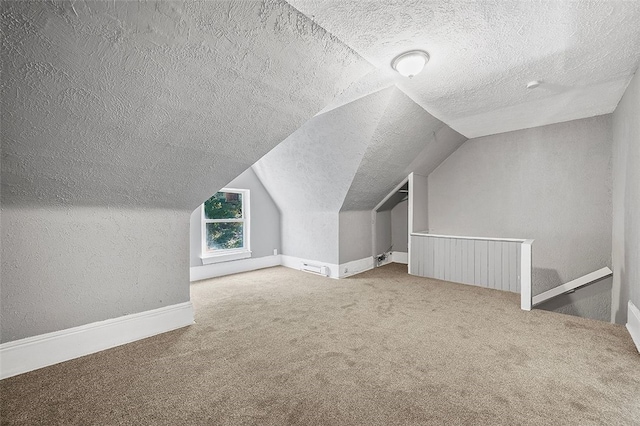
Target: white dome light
{"type": "Point", "coordinates": [410, 63]}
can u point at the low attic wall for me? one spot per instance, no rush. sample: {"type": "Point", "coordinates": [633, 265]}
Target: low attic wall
{"type": "Point", "coordinates": [65, 267]}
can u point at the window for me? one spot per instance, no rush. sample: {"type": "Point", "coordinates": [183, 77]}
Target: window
{"type": "Point", "coordinates": [225, 226]}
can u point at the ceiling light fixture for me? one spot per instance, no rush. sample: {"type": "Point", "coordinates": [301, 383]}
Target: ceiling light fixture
{"type": "Point", "coordinates": [410, 63]}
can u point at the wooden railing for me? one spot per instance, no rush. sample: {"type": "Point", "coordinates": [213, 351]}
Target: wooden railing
{"type": "Point", "coordinates": [499, 263]}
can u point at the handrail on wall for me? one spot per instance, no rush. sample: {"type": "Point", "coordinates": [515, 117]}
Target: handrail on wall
{"type": "Point", "coordinates": [571, 285]}
{"type": "Point", "coordinates": [527, 300]}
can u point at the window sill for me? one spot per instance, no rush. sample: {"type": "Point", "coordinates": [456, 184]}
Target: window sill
{"type": "Point", "coordinates": [224, 257]}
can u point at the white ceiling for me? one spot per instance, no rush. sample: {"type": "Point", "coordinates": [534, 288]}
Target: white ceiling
{"type": "Point", "coordinates": [484, 52]}
{"type": "Point", "coordinates": [407, 139]}
{"type": "Point", "coordinates": [313, 168]}
{"type": "Point", "coordinates": [155, 103]}
{"type": "Point", "coordinates": [352, 156]}
{"type": "Point", "coordinates": [162, 103]}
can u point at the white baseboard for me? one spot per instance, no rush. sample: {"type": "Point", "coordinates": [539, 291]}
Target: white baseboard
{"type": "Point", "coordinates": [400, 257]}
{"type": "Point", "coordinates": [296, 263]}
{"type": "Point", "coordinates": [633, 323]}
{"type": "Point", "coordinates": [233, 267]}
{"type": "Point", "coordinates": [29, 354]}
{"type": "Point", "coordinates": [355, 267]}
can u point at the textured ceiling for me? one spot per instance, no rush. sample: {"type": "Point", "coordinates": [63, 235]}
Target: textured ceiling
{"type": "Point", "coordinates": [400, 195]}
{"type": "Point", "coordinates": [313, 168]}
{"type": "Point", "coordinates": [162, 103]}
{"type": "Point", "coordinates": [155, 103]}
{"type": "Point", "coordinates": [405, 134]}
{"type": "Point", "coordinates": [351, 157]}
{"type": "Point", "coordinates": [484, 52]}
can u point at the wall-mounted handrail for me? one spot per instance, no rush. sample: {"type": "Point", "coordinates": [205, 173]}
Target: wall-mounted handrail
{"type": "Point", "coordinates": [571, 285]}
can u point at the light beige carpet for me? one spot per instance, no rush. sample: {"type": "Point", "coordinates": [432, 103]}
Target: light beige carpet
{"type": "Point", "coordinates": [282, 347]}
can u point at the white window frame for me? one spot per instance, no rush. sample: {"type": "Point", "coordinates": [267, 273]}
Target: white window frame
{"type": "Point", "coordinates": [226, 255]}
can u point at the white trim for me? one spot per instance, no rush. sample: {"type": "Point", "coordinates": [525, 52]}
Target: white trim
{"type": "Point", "coordinates": [409, 216]}
{"type": "Point", "coordinates": [226, 257]}
{"type": "Point", "coordinates": [297, 263]}
{"type": "Point", "coordinates": [400, 257]}
{"type": "Point", "coordinates": [633, 323]}
{"type": "Point", "coordinates": [356, 266]}
{"type": "Point", "coordinates": [571, 285]}
{"type": "Point", "coordinates": [426, 234]}
{"type": "Point", "coordinates": [29, 354]}
{"type": "Point", "coordinates": [525, 275]}
{"type": "Point", "coordinates": [235, 267]}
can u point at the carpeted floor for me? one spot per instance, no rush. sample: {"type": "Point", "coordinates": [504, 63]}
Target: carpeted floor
{"type": "Point", "coordinates": [282, 347]}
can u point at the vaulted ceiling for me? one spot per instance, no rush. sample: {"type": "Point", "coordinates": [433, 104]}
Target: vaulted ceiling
{"type": "Point", "coordinates": [162, 103]}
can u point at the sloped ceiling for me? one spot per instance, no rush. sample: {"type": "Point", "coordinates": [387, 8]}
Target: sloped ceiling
{"type": "Point", "coordinates": [155, 103]}
{"type": "Point", "coordinates": [483, 53]}
{"type": "Point", "coordinates": [406, 132]}
{"type": "Point", "coordinates": [162, 103]}
{"type": "Point", "coordinates": [352, 156]}
{"type": "Point", "coordinates": [313, 168]}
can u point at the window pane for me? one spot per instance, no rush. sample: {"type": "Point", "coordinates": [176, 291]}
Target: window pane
{"type": "Point", "coordinates": [223, 205]}
{"type": "Point", "coordinates": [225, 235]}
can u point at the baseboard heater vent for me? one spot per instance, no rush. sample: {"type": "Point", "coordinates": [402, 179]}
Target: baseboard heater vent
{"type": "Point", "coordinates": [314, 269]}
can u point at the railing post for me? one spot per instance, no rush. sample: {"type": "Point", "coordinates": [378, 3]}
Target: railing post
{"type": "Point", "coordinates": [525, 276]}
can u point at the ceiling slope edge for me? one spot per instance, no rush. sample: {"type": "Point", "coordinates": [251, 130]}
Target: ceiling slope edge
{"type": "Point", "coordinates": [312, 169]}
{"type": "Point", "coordinates": [443, 142]}
{"type": "Point", "coordinates": [402, 134]}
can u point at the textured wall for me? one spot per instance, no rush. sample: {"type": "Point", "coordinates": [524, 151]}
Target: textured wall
{"type": "Point", "coordinates": [310, 235]}
{"type": "Point", "coordinates": [355, 235]}
{"type": "Point", "coordinates": [264, 224]}
{"type": "Point", "coordinates": [64, 267]}
{"type": "Point", "coordinates": [399, 227]}
{"type": "Point", "coordinates": [552, 184]}
{"type": "Point", "coordinates": [626, 202]}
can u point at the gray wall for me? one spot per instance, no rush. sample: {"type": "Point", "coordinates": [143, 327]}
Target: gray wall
{"type": "Point", "coordinates": [552, 184]}
{"type": "Point", "coordinates": [399, 227]}
{"type": "Point", "coordinates": [68, 266]}
{"type": "Point", "coordinates": [264, 224]}
{"type": "Point", "coordinates": [419, 203]}
{"type": "Point", "coordinates": [355, 235]}
{"type": "Point", "coordinates": [310, 235]}
{"type": "Point", "coordinates": [626, 202]}
{"type": "Point", "coordinates": [383, 231]}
